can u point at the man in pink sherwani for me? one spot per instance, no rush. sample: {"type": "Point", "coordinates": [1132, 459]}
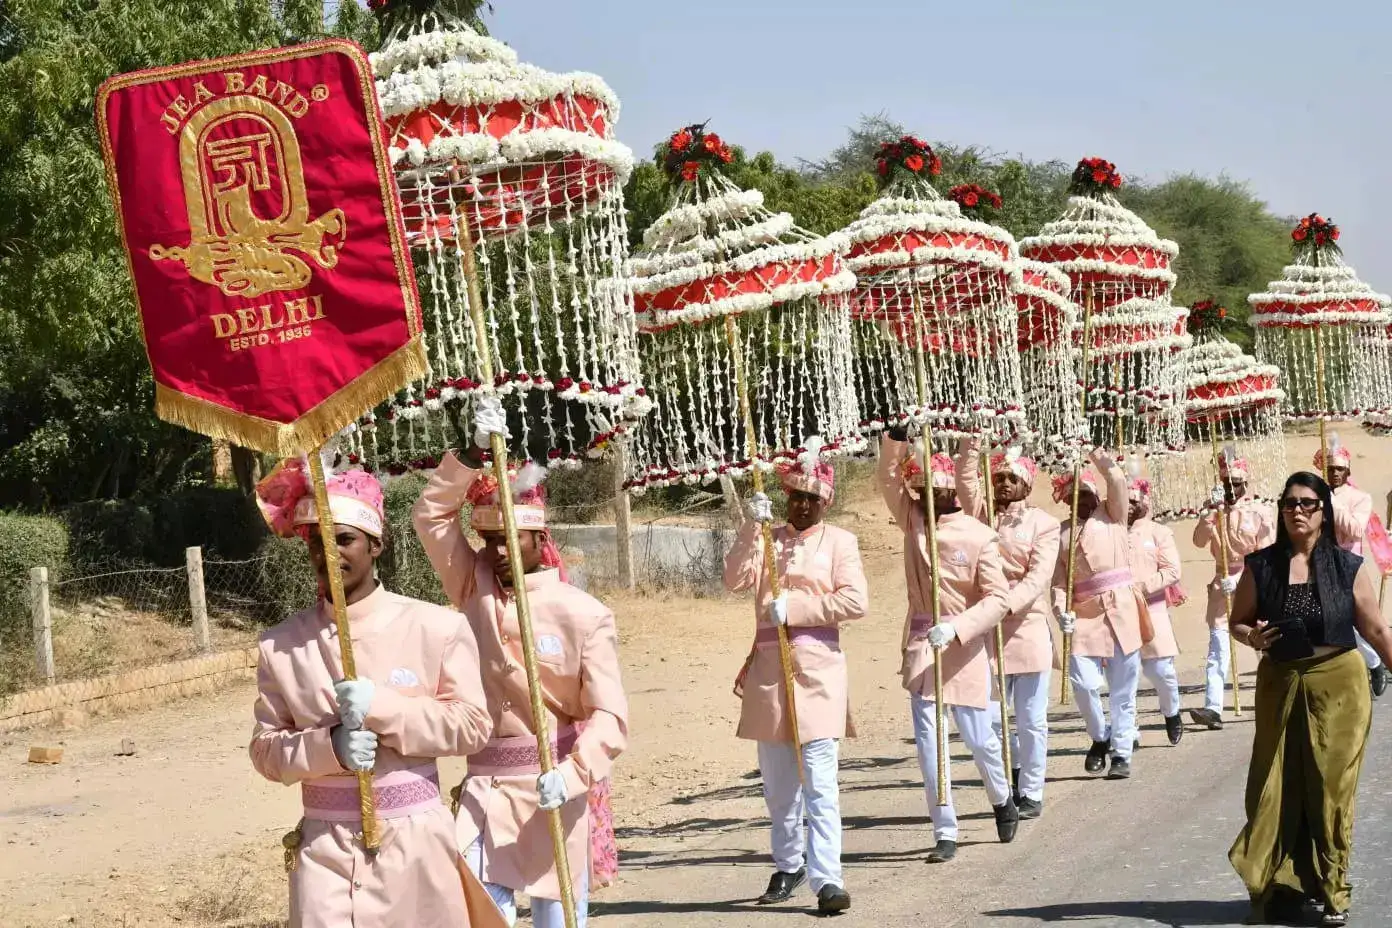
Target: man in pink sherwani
{"type": "Point", "coordinates": [1108, 619]}
{"type": "Point", "coordinates": [822, 584]}
{"type": "Point", "coordinates": [1029, 539]}
{"type": "Point", "coordinates": [418, 696]}
{"type": "Point", "coordinates": [973, 598]}
{"type": "Point", "coordinates": [1251, 526]}
{"type": "Point", "coordinates": [1353, 511]}
{"type": "Point", "coordinates": [502, 823]}
{"type": "Point", "coordinates": [1155, 563]}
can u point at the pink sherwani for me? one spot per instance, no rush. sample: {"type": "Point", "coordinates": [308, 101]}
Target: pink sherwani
{"type": "Point", "coordinates": [1155, 564]}
{"type": "Point", "coordinates": [587, 712]}
{"type": "Point", "coordinates": [820, 570]}
{"type": "Point", "coordinates": [1251, 526]}
{"type": "Point", "coordinates": [428, 703]}
{"type": "Point", "coordinates": [1353, 510]}
{"type": "Point", "coordinates": [1107, 599]}
{"type": "Point", "coordinates": [973, 594]}
{"type": "Point", "coordinates": [1029, 539]}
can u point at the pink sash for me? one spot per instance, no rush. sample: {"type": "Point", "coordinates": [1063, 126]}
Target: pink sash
{"type": "Point", "coordinates": [1378, 546]}
{"type": "Point", "coordinates": [397, 794]}
{"type": "Point", "coordinates": [1100, 583]}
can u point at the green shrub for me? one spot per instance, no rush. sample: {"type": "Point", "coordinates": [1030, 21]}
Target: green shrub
{"type": "Point", "coordinates": [224, 522]}
{"type": "Point", "coordinates": [26, 542]}
{"type": "Point", "coordinates": [109, 534]}
{"type": "Point", "coordinates": [403, 567]}
{"type": "Point", "coordinates": [283, 583]}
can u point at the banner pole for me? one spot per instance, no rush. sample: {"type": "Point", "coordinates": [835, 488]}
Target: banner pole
{"type": "Point", "coordinates": [371, 832]}
{"type": "Point", "coordinates": [1064, 693]}
{"type": "Point", "coordinates": [519, 586]}
{"type": "Point", "coordinates": [1000, 632]}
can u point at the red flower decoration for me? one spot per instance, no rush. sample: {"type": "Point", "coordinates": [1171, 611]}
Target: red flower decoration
{"type": "Point", "coordinates": [691, 170]}
{"type": "Point", "coordinates": [914, 163]}
{"type": "Point", "coordinates": [1314, 234]}
{"type": "Point", "coordinates": [1206, 315]}
{"type": "Point", "coordinates": [693, 151]}
{"type": "Point", "coordinates": [1094, 177]}
{"type": "Point", "coordinates": [681, 141]}
{"type": "Point", "coordinates": [909, 155]}
{"type": "Point", "coordinates": [973, 198]}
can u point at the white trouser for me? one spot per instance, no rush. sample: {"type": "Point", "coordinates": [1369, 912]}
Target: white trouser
{"type": "Point", "coordinates": [1028, 696]}
{"type": "Point", "coordinates": [1216, 670]}
{"type": "Point", "coordinates": [1122, 675]}
{"type": "Point", "coordinates": [980, 738]}
{"type": "Point", "coordinates": [1370, 657]}
{"type": "Point", "coordinates": [1160, 671]}
{"type": "Point", "coordinates": [546, 913]}
{"type": "Point", "coordinates": [787, 802]}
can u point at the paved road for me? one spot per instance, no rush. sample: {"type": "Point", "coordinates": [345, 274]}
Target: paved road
{"type": "Point", "coordinates": [1148, 852]}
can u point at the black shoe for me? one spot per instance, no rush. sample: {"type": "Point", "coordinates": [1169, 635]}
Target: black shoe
{"type": "Point", "coordinates": [1007, 821]}
{"type": "Point", "coordinates": [1379, 675]}
{"type": "Point", "coordinates": [1174, 727]}
{"type": "Point", "coordinates": [1030, 808]}
{"type": "Point", "coordinates": [1015, 784]}
{"type": "Point", "coordinates": [781, 887]}
{"type": "Point", "coordinates": [1136, 745]}
{"type": "Point", "coordinates": [1335, 918]}
{"type": "Point", "coordinates": [833, 900]}
{"type": "Point", "coordinates": [1097, 756]}
{"type": "Point", "coordinates": [1206, 717]}
{"type": "Point", "coordinates": [1121, 769]}
{"type": "Point", "coordinates": [942, 852]}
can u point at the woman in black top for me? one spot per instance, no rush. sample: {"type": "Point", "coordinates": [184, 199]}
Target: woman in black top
{"type": "Point", "coordinates": [1298, 603]}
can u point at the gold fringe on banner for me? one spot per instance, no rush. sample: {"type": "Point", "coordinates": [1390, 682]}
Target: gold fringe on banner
{"type": "Point", "coordinates": [310, 431]}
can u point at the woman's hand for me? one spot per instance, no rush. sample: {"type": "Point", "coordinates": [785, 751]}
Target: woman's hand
{"type": "Point", "coordinates": [1260, 636]}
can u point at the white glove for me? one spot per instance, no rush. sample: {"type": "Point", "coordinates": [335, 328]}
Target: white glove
{"type": "Point", "coordinates": [1228, 585]}
{"type": "Point", "coordinates": [355, 748]}
{"type": "Point", "coordinates": [489, 420]}
{"type": "Point", "coordinates": [354, 698]}
{"type": "Point", "coordinates": [1218, 496]}
{"type": "Point", "coordinates": [941, 635]}
{"type": "Point", "coordinates": [551, 790]}
{"type": "Point", "coordinates": [1067, 621]}
{"type": "Point", "coordinates": [778, 610]}
{"type": "Point", "coordinates": [760, 508]}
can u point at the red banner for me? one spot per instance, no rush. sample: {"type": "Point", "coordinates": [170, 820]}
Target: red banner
{"type": "Point", "coordinates": [264, 236]}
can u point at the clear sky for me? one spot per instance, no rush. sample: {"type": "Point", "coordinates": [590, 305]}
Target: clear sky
{"type": "Point", "coordinates": [1290, 96]}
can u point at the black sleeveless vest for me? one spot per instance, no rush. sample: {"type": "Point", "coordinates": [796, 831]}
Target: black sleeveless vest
{"type": "Point", "coordinates": [1332, 569]}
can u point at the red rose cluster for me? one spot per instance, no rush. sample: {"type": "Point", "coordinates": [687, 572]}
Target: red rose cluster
{"type": "Point", "coordinates": [974, 197]}
{"type": "Point", "coordinates": [1205, 315]}
{"type": "Point", "coordinates": [693, 150]}
{"type": "Point", "coordinates": [1315, 230]}
{"type": "Point", "coordinates": [909, 154]}
{"type": "Point", "coordinates": [1094, 176]}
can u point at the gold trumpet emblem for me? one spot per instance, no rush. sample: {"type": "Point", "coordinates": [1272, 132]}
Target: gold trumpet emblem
{"type": "Point", "coordinates": [250, 229]}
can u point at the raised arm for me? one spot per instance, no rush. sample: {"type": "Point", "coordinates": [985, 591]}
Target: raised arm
{"type": "Point", "coordinates": [969, 493]}
{"type": "Point", "coordinates": [1118, 503]}
{"type": "Point", "coordinates": [849, 598]}
{"type": "Point", "coordinates": [896, 496]}
{"type": "Point", "coordinates": [451, 722]}
{"type": "Point", "coordinates": [439, 528]}
{"type": "Point", "coordinates": [281, 752]}
{"type": "Point", "coordinates": [1039, 575]}
{"type": "Point", "coordinates": [745, 559]}
{"type": "Point", "coordinates": [1205, 531]}
{"type": "Point", "coordinates": [1060, 580]}
{"type": "Point", "coordinates": [605, 735]}
{"type": "Point", "coordinates": [1351, 519]}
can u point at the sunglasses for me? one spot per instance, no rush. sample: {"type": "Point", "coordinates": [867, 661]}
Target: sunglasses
{"type": "Point", "coordinates": [1304, 504]}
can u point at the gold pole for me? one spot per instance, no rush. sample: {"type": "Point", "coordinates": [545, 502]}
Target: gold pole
{"type": "Point", "coordinates": [756, 476]}
{"type": "Point", "coordinates": [1224, 571]}
{"type": "Point", "coordinates": [1064, 692]}
{"type": "Point", "coordinates": [519, 587]}
{"type": "Point", "coordinates": [1000, 632]}
{"type": "Point", "coordinates": [1321, 391]}
{"type": "Point", "coordinates": [931, 525]}
{"type": "Point", "coordinates": [367, 805]}
{"type": "Point", "coordinates": [1119, 422]}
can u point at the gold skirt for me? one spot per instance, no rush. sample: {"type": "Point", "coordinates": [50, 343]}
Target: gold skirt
{"type": "Point", "coordinates": [1312, 721]}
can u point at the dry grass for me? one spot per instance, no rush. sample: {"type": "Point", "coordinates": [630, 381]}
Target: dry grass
{"type": "Point", "coordinates": [238, 892]}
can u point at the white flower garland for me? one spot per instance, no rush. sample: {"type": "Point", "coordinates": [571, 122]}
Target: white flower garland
{"type": "Point", "coordinates": [695, 250]}
{"type": "Point", "coordinates": [468, 83]}
{"type": "Point", "coordinates": [1110, 268]}
{"type": "Point", "coordinates": [874, 225]}
{"type": "Point", "coordinates": [1055, 298]}
{"type": "Point", "coordinates": [689, 221]}
{"type": "Point", "coordinates": [438, 47]}
{"type": "Point", "coordinates": [1280, 320]}
{"type": "Point", "coordinates": [658, 319]}
{"type": "Point", "coordinates": [481, 151]}
{"type": "Point", "coordinates": [866, 265]}
{"type": "Point", "coordinates": [795, 252]}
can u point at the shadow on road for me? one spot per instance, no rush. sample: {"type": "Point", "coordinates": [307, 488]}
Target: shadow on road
{"type": "Point", "coordinates": [1172, 913]}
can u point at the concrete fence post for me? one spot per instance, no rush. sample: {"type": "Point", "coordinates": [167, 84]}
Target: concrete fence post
{"type": "Point", "coordinates": [198, 600]}
{"type": "Point", "coordinates": [43, 624]}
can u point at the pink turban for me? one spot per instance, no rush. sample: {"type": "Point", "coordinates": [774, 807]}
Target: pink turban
{"type": "Point", "coordinates": [944, 473]}
{"type": "Point", "coordinates": [1339, 456]}
{"type": "Point", "coordinates": [809, 473]}
{"type": "Point", "coordinates": [286, 500]}
{"type": "Point", "coordinates": [1139, 489]}
{"type": "Point", "coordinates": [1017, 464]}
{"type": "Point", "coordinates": [528, 506]}
{"type": "Point", "coordinates": [1235, 469]}
{"type": "Point", "coordinates": [1063, 485]}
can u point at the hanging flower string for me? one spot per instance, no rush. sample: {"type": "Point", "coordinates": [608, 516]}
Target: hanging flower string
{"type": "Point", "coordinates": [1206, 316]}
{"type": "Point", "coordinates": [910, 155]}
{"type": "Point", "coordinates": [975, 200]}
{"type": "Point", "coordinates": [393, 13]}
{"type": "Point", "coordinates": [1094, 177]}
{"type": "Point", "coordinates": [692, 152]}
{"type": "Point", "coordinates": [1315, 234]}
